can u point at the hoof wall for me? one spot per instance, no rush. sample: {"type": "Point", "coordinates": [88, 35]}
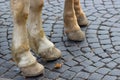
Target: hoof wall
{"type": "Point", "coordinates": [33, 70]}
{"type": "Point", "coordinates": [76, 35]}
{"type": "Point", "coordinates": [51, 54]}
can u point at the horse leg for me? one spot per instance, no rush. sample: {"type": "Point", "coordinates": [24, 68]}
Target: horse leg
{"type": "Point", "coordinates": [20, 44]}
{"type": "Point", "coordinates": [37, 38]}
{"type": "Point", "coordinates": [81, 17]}
{"type": "Point", "coordinates": [72, 28]}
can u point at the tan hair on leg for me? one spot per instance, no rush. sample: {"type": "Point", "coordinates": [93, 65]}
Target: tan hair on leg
{"type": "Point", "coordinates": [81, 17]}
{"type": "Point", "coordinates": [20, 44]}
{"type": "Point", "coordinates": [38, 40]}
{"type": "Point", "coordinates": [71, 26]}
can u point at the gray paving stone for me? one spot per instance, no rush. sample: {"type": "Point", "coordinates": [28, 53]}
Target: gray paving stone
{"type": "Point", "coordinates": [92, 27]}
{"type": "Point", "coordinates": [60, 79]}
{"type": "Point", "coordinates": [115, 72]}
{"type": "Point", "coordinates": [107, 15]}
{"type": "Point", "coordinates": [98, 50]}
{"type": "Point", "coordinates": [95, 59]}
{"type": "Point", "coordinates": [103, 70]}
{"type": "Point", "coordinates": [68, 74]}
{"type": "Point", "coordinates": [109, 78]}
{"type": "Point", "coordinates": [115, 38]}
{"type": "Point", "coordinates": [5, 79]}
{"type": "Point", "coordinates": [78, 79]}
{"type": "Point", "coordinates": [2, 0]}
{"type": "Point", "coordinates": [65, 53]}
{"type": "Point", "coordinates": [2, 61]}
{"type": "Point", "coordinates": [8, 64]}
{"type": "Point", "coordinates": [87, 62]}
{"type": "Point", "coordinates": [116, 43]}
{"type": "Point", "coordinates": [99, 64]}
{"type": "Point", "coordinates": [95, 76]}
{"type": "Point", "coordinates": [80, 58]}
{"type": "Point", "coordinates": [104, 55]}
{"type": "Point", "coordinates": [114, 34]}
{"type": "Point", "coordinates": [62, 48]}
{"type": "Point", "coordinates": [117, 48]}
{"type": "Point", "coordinates": [111, 64]}
{"type": "Point", "coordinates": [2, 39]}
{"type": "Point", "coordinates": [73, 48]}
{"type": "Point", "coordinates": [68, 43]}
{"type": "Point", "coordinates": [76, 68]}
{"type": "Point", "coordinates": [59, 44]}
{"type": "Point", "coordinates": [106, 41]}
{"type": "Point", "coordinates": [4, 43]}
{"type": "Point", "coordinates": [117, 60]}
{"type": "Point", "coordinates": [83, 75]}
{"type": "Point", "coordinates": [8, 57]}
{"type": "Point", "coordinates": [115, 56]}
{"type": "Point", "coordinates": [71, 63]}
{"type": "Point", "coordinates": [107, 23]}
{"type": "Point", "coordinates": [9, 75]}
{"type": "Point", "coordinates": [91, 31]}
{"type": "Point", "coordinates": [90, 69]}
{"type": "Point", "coordinates": [50, 65]}
{"type": "Point", "coordinates": [77, 53]}
{"type": "Point", "coordinates": [92, 40]}
{"type": "Point", "coordinates": [104, 28]}
{"type": "Point", "coordinates": [106, 60]}
{"type": "Point", "coordinates": [2, 70]}
{"type": "Point", "coordinates": [86, 49]}
{"type": "Point", "coordinates": [91, 35]}
{"type": "Point", "coordinates": [103, 32]}
{"type": "Point", "coordinates": [89, 55]}
{"type": "Point", "coordinates": [3, 30]}
{"type": "Point", "coordinates": [15, 69]}
{"type": "Point", "coordinates": [110, 51]}
{"type": "Point", "coordinates": [3, 34]}
{"type": "Point", "coordinates": [53, 75]}
{"type": "Point", "coordinates": [68, 57]}
{"type": "Point", "coordinates": [19, 78]}
{"type": "Point", "coordinates": [4, 47]}
{"type": "Point", "coordinates": [94, 45]}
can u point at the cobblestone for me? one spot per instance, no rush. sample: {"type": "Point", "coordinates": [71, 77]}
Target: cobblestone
{"type": "Point", "coordinates": [109, 78]}
{"type": "Point", "coordinates": [68, 75]}
{"type": "Point", "coordinates": [76, 68]}
{"type": "Point", "coordinates": [95, 58]}
{"type": "Point", "coordinates": [115, 72]}
{"type": "Point", "coordinates": [103, 71]}
{"type": "Point", "coordinates": [83, 75]}
{"type": "Point", "coordinates": [95, 76]}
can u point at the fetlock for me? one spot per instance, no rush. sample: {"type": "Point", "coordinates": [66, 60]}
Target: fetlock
{"type": "Point", "coordinates": [46, 49]}
{"type": "Point", "coordinates": [50, 54]}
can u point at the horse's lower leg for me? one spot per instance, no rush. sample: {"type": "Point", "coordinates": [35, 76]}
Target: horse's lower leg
{"type": "Point", "coordinates": [72, 28]}
{"type": "Point", "coordinates": [20, 45]}
{"type": "Point", "coordinates": [81, 17]}
{"type": "Point", "coordinates": [38, 41]}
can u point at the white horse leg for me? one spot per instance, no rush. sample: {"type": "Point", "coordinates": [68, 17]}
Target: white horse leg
{"type": "Point", "coordinates": [72, 28]}
{"type": "Point", "coordinates": [20, 45]}
{"type": "Point", "coordinates": [38, 41]}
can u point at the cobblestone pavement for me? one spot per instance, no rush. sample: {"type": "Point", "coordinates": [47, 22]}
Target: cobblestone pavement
{"type": "Point", "coordinates": [95, 58]}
